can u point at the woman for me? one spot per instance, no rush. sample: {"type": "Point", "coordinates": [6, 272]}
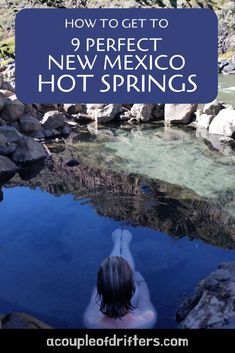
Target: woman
{"type": "Point", "coordinates": [121, 298]}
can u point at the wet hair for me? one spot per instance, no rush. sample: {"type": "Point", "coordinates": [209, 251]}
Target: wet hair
{"type": "Point", "coordinates": [115, 287]}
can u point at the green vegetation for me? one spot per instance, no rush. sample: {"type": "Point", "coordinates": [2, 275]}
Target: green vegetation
{"type": "Point", "coordinates": [227, 55]}
{"type": "Point", "coordinates": [7, 48]}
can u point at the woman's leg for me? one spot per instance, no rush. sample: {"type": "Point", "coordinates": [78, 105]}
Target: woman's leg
{"type": "Point", "coordinates": [122, 240]}
{"type": "Point", "coordinates": [117, 238]}
{"type": "Point", "coordinates": [125, 249]}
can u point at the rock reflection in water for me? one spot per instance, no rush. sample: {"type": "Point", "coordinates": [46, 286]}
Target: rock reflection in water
{"type": "Point", "coordinates": [136, 200]}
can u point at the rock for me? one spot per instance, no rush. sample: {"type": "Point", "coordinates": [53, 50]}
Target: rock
{"type": "Point", "coordinates": [10, 71]}
{"type": "Point", "coordinates": [2, 100]}
{"type": "Point", "coordinates": [230, 68]}
{"type": "Point", "coordinates": [1, 81]}
{"type": "Point", "coordinates": [212, 108]}
{"type": "Point", "coordinates": [203, 121]}
{"type": "Point", "coordinates": [31, 110]}
{"type": "Point", "coordinates": [103, 113]}
{"type": "Point", "coordinates": [22, 321]}
{"type": "Point", "coordinates": [53, 120]}
{"type": "Point", "coordinates": [7, 86]}
{"type": "Point", "coordinates": [6, 93]}
{"type": "Point", "coordinates": [227, 141]}
{"type": "Point", "coordinates": [73, 162]}
{"type": "Point", "coordinates": [7, 149]}
{"type": "Point", "coordinates": [73, 108]}
{"type": "Point", "coordinates": [7, 168]}
{"type": "Point", "coordinates": [224, 148]}
{"type": "Point", "coordinates": [38, 135]}
{"type": "Point", "coordinates": [222, 64]}
{"type": "Point", "coordinates": [73, 124]}
{"type": "Point", "coordinates": [223, 123]}
{"type": "Point", "coordinates": [3, 139]}
{"type": "Point", "coordinates": [125, 115]}
{"type": "Point", "coordinates": [2, 122]}
{"type": "Point", "coordinates": [13, 109]}
{"type": "Point", "coordinates": [227, 106]}
{"type": "Point", "coordinates": [10, 133]}
{"type": "Point", "coordinates": [66, 130]}
{"type": "Point", "coordinates": [28, 150]}
{"type": "Point", "coordinates": [51, 134]}
{"type": "Point", "coordinates": [193, 125]}
{"type": "Point", "coordinates": [212, 305]}
{"type": "Point", "coordinates": [142, 112]}
{"type": "Point", "coordinates": [29, 124]}
{"type": "Point", "coordinates": [82, 118]}
{"type": "Point", "coordinates": [179, 113]}
{"type": "Point", "coordinates": [158, 111]}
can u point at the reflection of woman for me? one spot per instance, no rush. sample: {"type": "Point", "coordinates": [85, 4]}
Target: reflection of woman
{"type": "Point", "coordinates": [121, 298]}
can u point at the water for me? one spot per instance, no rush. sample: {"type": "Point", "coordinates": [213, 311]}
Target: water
{"type": "Point", "coordinates": [227, 89]}
{"type": "Point", "coordinates": [51, 247]}
{"type": "Point", "coordinates": [173, 155]}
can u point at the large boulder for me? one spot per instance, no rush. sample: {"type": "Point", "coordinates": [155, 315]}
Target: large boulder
{"type": "Point", "coordinates": [6, 149]}
{"type": "Point", "coordinates": [53, 120]}
{"type": "Point", "coordinates": [21, 321]}
{"type": "Point", "coordinates": [103, 113]}
{"type": "Point", "coordinates": [212, 108]}
{"type": "Point", "coordinates": [179, 113]}
{"type": "Point", "coordinates": [212, 305]}
{"type": "Point", "coordinates": [29, 124]}
{"type": "Point", "coordinates": [10, 133]}
{"type": "Point", "coordinates": [7, 168]}
{"type": "Point", "coordinates": [223, 123]}
{"type": "Point", "coordinates": [203, 121]}
{"type": "Point", "coordinates": [28, 151]}
{"type": "Point", "coordinates": [142, 112]}
{"type": "Point", "coordinates": [13, 109]}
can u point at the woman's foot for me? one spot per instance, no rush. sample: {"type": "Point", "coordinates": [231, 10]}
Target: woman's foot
{"type": "Point", "coordinates": [117, 236]}
{"type": "Point", "coordinates": [126, 236]}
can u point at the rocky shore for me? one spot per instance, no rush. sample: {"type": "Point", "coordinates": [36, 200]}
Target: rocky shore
{"type": "Point", "coordinates": [212, 305]}
{"type": "Point", "coordinates": [25, 129]}
{"type": "Point", "coordinates": [16, 320]}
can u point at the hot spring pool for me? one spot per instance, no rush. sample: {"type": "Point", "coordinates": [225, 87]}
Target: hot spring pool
{"type": "Point", "coordinates": [51, 247]}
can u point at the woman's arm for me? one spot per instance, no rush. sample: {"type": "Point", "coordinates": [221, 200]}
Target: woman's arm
{"type": "Point", "coordinates": [144, 301]}
{"type": "Point", "coordinates": [92, 312]}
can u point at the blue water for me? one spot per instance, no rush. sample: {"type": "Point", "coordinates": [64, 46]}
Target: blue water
{"type": "Point", "coordinates": [51, 247]}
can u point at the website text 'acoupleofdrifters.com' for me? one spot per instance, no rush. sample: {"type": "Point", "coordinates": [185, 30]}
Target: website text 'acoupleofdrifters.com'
{"type": "Point", "coordinates": [133, 341]}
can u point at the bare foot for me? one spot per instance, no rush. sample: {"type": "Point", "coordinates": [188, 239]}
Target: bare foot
{"type": "Point", "coordinates": [126, 236]}
{"type": "Point", "coordinates": [117, 235]}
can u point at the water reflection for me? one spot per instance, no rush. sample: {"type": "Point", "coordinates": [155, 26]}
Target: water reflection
{"type": "Point", "coordinates": [134, 199]}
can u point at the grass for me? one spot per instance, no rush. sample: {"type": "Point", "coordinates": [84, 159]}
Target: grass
{"type": "Point", "coordinates": [227, 55]}
{"type": "Point", "coordinates": [7, 47]}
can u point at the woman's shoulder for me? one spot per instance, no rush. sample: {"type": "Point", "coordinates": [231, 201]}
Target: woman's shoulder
{"type": "Point", "coordinates": [145, 319]}
{"type": "Point", "coordinates": [136, 319]}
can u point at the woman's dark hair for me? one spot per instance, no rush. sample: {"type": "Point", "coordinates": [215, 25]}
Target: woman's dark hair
{"type": "Point", "coordinates": [115, 287]}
